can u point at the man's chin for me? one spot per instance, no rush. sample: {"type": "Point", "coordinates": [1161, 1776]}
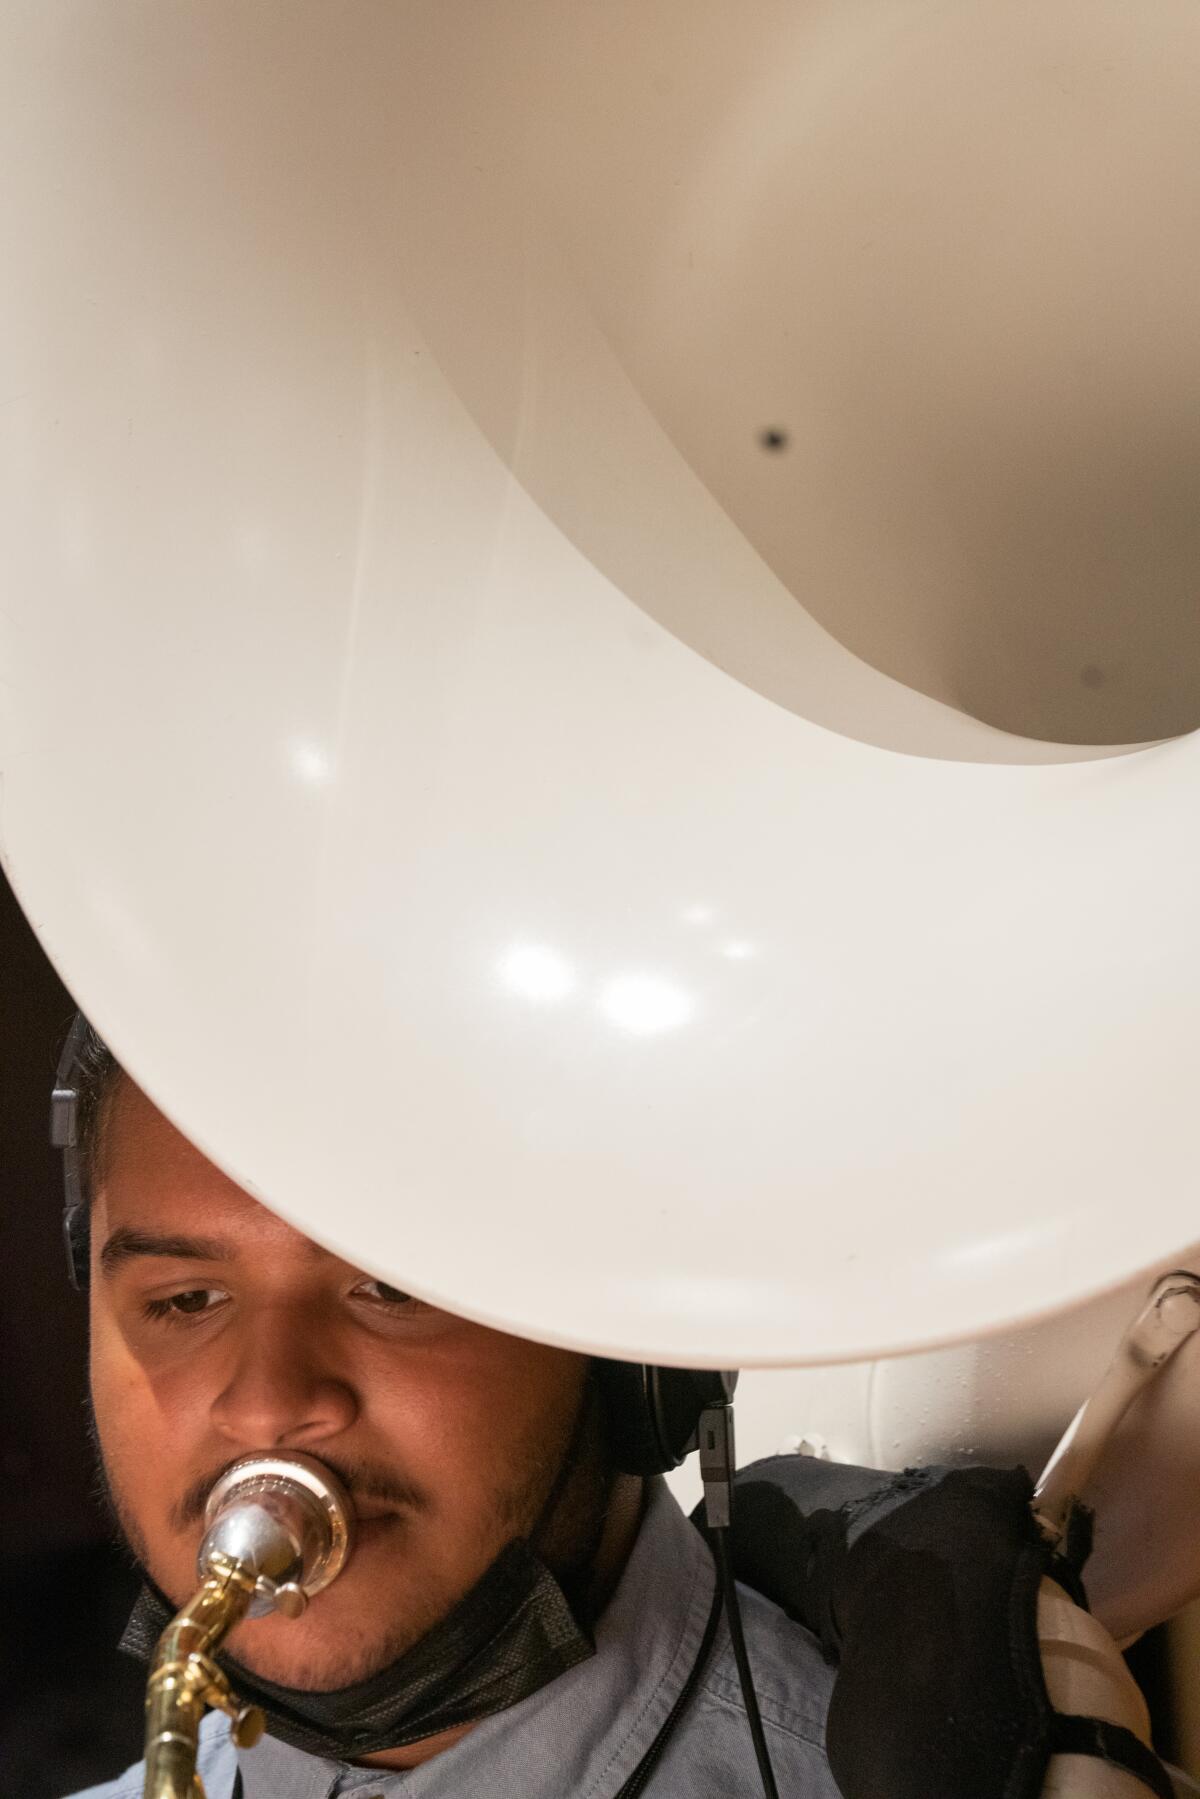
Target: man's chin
{"type": "Point", "coordinates": [351, 1631]}
{"type": "Point", "coordinates": [311, 1671]}
{"type": "Point", "coordinates": [327, 1649]}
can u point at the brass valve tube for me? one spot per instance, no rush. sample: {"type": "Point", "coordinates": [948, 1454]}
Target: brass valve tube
{"type": "Point", "coordinates": [279, 1530]}
{"type": "Point", "coordinates": [184, 1682]}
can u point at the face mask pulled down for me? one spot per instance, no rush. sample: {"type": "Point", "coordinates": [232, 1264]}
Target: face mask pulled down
{"type": "Point", "coordinates": [510, 1635]}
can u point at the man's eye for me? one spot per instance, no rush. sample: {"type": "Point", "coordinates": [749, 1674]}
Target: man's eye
{"type": "Point", "coordinates": [383, 1294]}
{"type": "Point", "coordinates": [185, 1305]}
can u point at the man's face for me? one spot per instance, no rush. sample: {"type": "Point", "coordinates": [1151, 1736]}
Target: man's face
{"type": "Point", "coordinates": [218, 1330]}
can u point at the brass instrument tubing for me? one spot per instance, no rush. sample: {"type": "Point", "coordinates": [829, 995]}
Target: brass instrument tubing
{"type": "Point", "coordinates": [184, 1681]}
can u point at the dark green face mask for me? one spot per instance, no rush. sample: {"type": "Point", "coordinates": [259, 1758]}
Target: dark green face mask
{"type": "Point", "coordinates": [512, 1634]}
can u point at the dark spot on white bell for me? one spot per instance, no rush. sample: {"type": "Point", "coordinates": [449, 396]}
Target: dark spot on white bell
{"type": "Point", "coordinates": [772, 438]}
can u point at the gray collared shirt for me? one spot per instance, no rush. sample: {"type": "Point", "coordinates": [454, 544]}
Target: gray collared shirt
{"type": "Point", "coordinates": [582, 1736]}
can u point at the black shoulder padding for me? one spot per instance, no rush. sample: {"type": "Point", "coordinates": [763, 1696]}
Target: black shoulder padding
{"type": "Point", "coordinates": [922, 1588]}
{"type": "Point", "coordinates": [935, 1607]}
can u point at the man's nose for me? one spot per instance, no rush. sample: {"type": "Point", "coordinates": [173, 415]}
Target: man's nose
{"type": "Point", "coordinates": [280, 1392]}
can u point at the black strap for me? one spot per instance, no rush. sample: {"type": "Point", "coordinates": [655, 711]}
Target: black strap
{"type": "Point", "coordinates": [1071, 1735]}
{"type": "Point", "coordinates": [641, 1774]}
{"type": "Point", "coordinates": [645, 1768]}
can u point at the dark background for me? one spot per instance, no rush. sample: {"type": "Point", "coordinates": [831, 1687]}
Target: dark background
{"type": "Point", "coordinates": [70, 1705]}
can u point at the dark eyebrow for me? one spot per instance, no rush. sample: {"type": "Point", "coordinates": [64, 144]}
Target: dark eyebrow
{"type": "Point", "coordinates": [125, 1244]}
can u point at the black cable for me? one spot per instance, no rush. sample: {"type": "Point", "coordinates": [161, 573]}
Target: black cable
{"type": "Point", "coordinates": [720, 1542]}
{"type": "Point", "coordinates": [714, 1440]}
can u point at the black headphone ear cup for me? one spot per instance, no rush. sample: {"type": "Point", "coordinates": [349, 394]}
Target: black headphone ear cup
{"type": "Point", "coordinates": [677, 1398]}
{"type": "Point", "coordinates": [632, 1435]}
{"type": "Point", "coordinates": [654, 1413]}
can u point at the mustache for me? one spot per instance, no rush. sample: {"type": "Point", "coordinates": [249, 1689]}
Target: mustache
{"type": "Point", "coordinates": [363, 1480]}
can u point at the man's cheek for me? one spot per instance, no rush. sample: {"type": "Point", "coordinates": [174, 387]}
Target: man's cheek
{"type": "Point", "coordinates": [127, 1418]}
{"type": "Point", "coordinates": [144, 1442]}
{"type": "Point", "coordinates": [152, 1399]}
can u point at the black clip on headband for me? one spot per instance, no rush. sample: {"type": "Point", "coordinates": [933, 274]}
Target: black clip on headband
{"type": "Point", "coordinates": [64, 1135]}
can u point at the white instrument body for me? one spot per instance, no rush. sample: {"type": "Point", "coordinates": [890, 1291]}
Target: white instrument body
{"type": "Point", "coordinates": [420, 750]}
{"type": "Point", "coordinates": [544, 550]}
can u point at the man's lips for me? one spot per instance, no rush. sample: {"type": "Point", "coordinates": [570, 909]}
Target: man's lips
{"type": "Point", "coordinates": [367, 1523]}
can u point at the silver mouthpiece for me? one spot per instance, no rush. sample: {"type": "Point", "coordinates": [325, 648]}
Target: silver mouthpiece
{"type": "Point", "coordinates": [286, 1520]}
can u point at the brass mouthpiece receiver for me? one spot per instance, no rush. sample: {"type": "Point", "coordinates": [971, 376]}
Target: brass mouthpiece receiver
{"type": "Point", "coordinates": [278, 1531]}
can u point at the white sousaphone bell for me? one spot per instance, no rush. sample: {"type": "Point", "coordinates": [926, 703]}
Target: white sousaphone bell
{"type": "Point", "coordinates": [598, 635]}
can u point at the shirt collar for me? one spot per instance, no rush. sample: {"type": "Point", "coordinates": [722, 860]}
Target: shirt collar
{"type": "Point", "coordinates": [585, 1732]}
